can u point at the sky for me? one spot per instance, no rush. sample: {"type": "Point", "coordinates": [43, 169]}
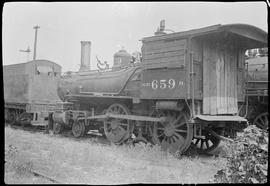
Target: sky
{"type": "Point", "coordinates": [108, 25]}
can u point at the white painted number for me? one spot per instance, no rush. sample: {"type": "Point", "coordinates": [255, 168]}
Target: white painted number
{"type": "Point", "coordinates": [154, 84]}
{"type": "Point", "coordinates": [171, 83]}
{"type": "Point", "coordinates": [163, 84]}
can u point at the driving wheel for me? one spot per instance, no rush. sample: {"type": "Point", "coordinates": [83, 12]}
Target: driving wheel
{"type": "Point", "coordinates": [175, 134]}
{"type": "Point", "coordinates": [117, 130]}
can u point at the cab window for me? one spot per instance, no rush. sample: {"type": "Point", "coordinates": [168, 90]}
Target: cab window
{"type": "Point", "coordinates": [45, 70]}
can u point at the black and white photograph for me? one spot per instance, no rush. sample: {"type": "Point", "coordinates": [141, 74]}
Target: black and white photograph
{"type": "Point", "coordinates": [119, 93]}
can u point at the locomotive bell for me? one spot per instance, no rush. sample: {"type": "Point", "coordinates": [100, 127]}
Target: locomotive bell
{"type": "Point", "coordinates": [121, 58]}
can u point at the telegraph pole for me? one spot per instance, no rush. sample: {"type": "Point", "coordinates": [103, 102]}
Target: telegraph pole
{"type": "Point", "coordinates": [35, 44]}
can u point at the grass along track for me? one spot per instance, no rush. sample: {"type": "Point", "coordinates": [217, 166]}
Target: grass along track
{"type": "Point", "coordinates": [88, 161]}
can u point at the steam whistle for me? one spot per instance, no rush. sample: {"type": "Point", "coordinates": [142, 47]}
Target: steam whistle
{"type": "Point", "coordinates": [100, 64]}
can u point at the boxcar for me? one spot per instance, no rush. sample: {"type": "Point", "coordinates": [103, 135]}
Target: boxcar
{"type": "Point", "coordinates": [185, 91]}
{"type": "Point", "coordinates": [30, 91]}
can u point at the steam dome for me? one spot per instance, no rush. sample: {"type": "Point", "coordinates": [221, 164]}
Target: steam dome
{"type": "Point", "coordinates": [121, 58]}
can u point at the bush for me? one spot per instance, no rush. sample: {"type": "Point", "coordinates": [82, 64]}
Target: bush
{"type": "Point", "coordinates": [248, 162]}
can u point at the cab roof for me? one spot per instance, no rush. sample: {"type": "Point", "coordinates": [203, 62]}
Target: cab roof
{"type": "Point", "coordinates": [242, 30]}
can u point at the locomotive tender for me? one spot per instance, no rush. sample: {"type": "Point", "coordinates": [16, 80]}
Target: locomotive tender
{"type": "Point", "coordinates": [30, 91]}
{"type": "Point", "coordinates": [185, 91]}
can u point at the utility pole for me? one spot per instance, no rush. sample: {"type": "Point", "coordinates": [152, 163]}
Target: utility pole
{"type": "Point", "coordinates": [35, 44]}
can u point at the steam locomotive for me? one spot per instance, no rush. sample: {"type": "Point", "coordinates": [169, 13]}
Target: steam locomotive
{"type": "Point", "coordinates": [184, 91]}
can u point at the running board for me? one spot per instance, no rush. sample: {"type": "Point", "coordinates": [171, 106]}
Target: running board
{"type": "Point", "coordinates": [220, 118]}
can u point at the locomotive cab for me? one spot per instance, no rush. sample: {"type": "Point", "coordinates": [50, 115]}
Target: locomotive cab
{"type": "Point", "coordinates": [204, 69]}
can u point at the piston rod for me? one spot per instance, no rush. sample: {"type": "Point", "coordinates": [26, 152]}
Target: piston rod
{"type": "Point", "coordinates": [128, 117]}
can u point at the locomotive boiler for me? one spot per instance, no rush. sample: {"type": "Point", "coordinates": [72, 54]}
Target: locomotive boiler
{"type": "Point", "coordinates": [185, 91]}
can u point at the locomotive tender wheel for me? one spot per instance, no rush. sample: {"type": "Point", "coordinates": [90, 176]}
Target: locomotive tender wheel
{"type": "Point", "coordinates": [78, 128]}
{"type": "Point", "coordinates": [117, 130]}
{"type": "Point", "coordinates": [174, 135]}
{"type": "Point", "coordinates": [57, 128]}
{"type": "Point", "coordinates": [262, 120]}
{"type": "Point", "coordinates": [208, 144]}
{"type": "Point", "coordinates": [11, 119]}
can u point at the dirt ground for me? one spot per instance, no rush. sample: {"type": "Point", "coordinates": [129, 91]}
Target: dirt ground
{"type": "Point", "coordinates": [45, 158]}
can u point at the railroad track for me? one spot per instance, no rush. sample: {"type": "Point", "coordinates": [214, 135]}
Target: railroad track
{"type": "Point", "coordinates": [64, 134]}
{"type": "Point", "coordinates": [29, 128]}
{"type": "Point", "coordinates": [43, 175]}
{"type": "Point", "coordinates": [38, 173]}
{"type": "Point", "coordinates": [98, 138]}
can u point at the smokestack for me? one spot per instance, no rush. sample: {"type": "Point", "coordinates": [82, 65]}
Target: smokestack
{"type": "Point", "coordinates": [85, 55]}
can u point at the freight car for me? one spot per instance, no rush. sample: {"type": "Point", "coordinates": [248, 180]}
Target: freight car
{"type": "Point", "coordinates": [184, 92]}
{"type": "Point", "coordinates": [256, 105]}
{"type": "Point", "coordinates": [30, 91]}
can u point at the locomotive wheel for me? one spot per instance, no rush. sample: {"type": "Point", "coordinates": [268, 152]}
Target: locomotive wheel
{"type": "Point", "coordinates": [57, 128]}
{"type": "Point", "coordinates": [175, 134]}
{"type": "Point", "coordinates": [78, 128]}
{"type": "Point", "coordinates": [261, 121]}
{"type": "Point", "coordinates": [208, 144]}
{"type": "Point", "coordinates": [117, 130]}
{"type": "Point", "coordinates": [11, 119]}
